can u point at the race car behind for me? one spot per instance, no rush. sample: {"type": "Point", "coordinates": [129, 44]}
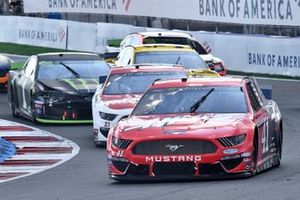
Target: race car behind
{"type": "Point", "coordinates": [116, 98]}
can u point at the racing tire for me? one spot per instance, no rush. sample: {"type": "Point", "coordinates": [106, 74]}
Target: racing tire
{"type": "Point", "coordinates": [101, 144]}
{"type": "Point", "coordinates": [279, 149]}
{"type": "Point", "coordinates": [255, 154]}
{"type": "Point", "coordinates": [33, 115]}
{"type": "Point", "coordinates": [13, 105]}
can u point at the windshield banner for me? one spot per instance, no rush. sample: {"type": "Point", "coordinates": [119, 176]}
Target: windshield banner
{"type": "Point", "coordinates": [266, 12]}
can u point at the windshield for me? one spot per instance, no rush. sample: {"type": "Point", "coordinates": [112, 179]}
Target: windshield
{"type": "Point", "coordinates": [190, 60]}
{"type": "Point", "coordinates": [137, 82]}
{"type": "Point", "coordinates": [72, 69]}
{"type": "Point", "coordinates": [192, 100]}
{"type": "Point", "coordinates": [166, 40]}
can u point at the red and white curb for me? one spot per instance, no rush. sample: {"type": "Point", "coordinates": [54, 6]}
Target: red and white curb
{"type": "Point", "coordinates": [36, 150]}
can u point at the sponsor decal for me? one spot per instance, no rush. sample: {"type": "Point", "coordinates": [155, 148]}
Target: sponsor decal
{"type": "Point", "coordinates": [173, 159]}
{"type": "Point", "coordinates": [172, 147]}
{"type": "Point", "coordinates": [230, 151]}
{"type": "Point", "coordinates": [174, 132]}
{"type": "Point", "coordinates": [85, 4]}
{"type": "Point", "coordinates": [249, 9]}
{"type": "Point", "coordinates": [42, 35]}
{"type": "Point", "coordinates": [157, 122]}
{"type": "Point", "coordinates": [126, 4]}
{"type": "Point", "coordinates": [61, 34]}
{"type": "Point", "coordinates": [273, 60]}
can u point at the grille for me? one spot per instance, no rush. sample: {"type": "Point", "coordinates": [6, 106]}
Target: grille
{"type": "Point", "coordinates": [184, 168]}
{"type": "Point", "coordinates": [121, 166]}
{"type": "Point", "coordinates": [138, 170]}
{"type": "Point", "coordinates": [232, 163]}
{"type": "Point", "coordinates": [82, 110]}
{"type": "Point", "coordinates": [210, 169]}
{"type": "Point", "coordinates": [174, 147]}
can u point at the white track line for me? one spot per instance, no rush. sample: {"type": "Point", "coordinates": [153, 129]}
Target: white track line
{"type": "Point", "coordinates": [42, 156]}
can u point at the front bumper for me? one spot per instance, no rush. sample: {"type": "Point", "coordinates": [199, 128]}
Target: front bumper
{"type": "Point", "coordinates": [124, 165]}
{"type": "Point", "coordinates": [3, 83]}
{"type": "Point", "coordinates": [102, 126]}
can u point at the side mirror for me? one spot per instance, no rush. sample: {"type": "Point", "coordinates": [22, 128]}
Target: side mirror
{"type": "Point", "coordinates": [102, 79]}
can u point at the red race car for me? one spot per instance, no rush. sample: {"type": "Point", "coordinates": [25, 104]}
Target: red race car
{"type": "Point", "coordinates": [197, 128]}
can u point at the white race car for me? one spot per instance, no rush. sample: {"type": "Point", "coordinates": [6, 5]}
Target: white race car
{"type": "Point", "coordinates": [116, 98]}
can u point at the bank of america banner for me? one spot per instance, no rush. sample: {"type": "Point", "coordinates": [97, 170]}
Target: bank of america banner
{"type": "Point", "coordinates": [271, 12]}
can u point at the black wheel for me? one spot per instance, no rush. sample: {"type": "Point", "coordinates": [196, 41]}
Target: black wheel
{"type": "Point", "coordinates": [279, 149]}
{"type": "Point", "coordinates": [254, 154]}
{"type": "Point", "coordinates": [33, 114]}
{"type": "Point", "coordinates": [101, 144]}
{"type": "Point", "coordinates": [13, 105]}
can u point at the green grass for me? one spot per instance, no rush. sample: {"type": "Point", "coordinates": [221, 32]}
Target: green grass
{"type": "Point", "coordinates": [17, 66]}
{"type": "Point", "coordinates": [114, 43]}
{"type": "Point", "coordinates": [26, 50]}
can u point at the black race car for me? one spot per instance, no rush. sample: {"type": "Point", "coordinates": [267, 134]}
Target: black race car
{"type": "Point", "coordinates": [56, 87]}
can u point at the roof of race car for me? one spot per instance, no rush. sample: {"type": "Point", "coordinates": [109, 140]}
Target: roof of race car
{"type": "Point", "coordinates": [209, 81]}
{"type": "Point", "coordinates": [164, 34]}
{"type": "Point", "coordinates": [162, 47]}
{"type": "Point", "coordinates": [147, 68]}
{"type": "Point", "coordinates": [68, 56]}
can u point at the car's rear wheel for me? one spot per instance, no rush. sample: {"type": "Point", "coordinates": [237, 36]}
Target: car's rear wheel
{"type": "Point", "coordinates": [279, 149]}
{"type": "Point", "coordinates": [33, 114]}
{"type": "Point", "coordinates": [13, 105]}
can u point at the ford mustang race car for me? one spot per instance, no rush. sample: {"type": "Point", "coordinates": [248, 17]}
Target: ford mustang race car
{"type": "Point", "coordinates": [197, 128]}
{"type": "Point", "coordinates": [178, 38]}
{"type": "Point", "coordinates": [165, 54]}
{"type": "Point", "coordinates": [4, 68]}
{"type": "Point", "coordinates": [124, 86]}
{"type": "Point", "coordinates": [56, 87]}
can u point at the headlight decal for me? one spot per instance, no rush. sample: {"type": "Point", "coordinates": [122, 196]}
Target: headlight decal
{"type": "Point", "coordinates": [120, 143]}
{"type": "Point", "coordinates": [233, 140]}
{"type": "Point", "coordinates": [107, 116]}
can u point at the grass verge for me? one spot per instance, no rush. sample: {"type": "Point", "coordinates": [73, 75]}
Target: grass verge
{"type": "Point", "coordinates": [25, 50]}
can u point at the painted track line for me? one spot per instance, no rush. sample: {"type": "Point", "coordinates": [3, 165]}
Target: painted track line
{"type": "Point", "coordinates": [35, 150]}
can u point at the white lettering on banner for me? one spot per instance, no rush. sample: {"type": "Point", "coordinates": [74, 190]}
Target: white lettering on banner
{"type": "Point", "coordinates": [83, 4]}
{"type": "Point", "coordinates": [42, 35]}
{"type": "Point", "coordinates": [272, 60]}
{"type": "Point", "coordinates": [247, 9]}
{"type": "Point", "coordinates": [266, 12]}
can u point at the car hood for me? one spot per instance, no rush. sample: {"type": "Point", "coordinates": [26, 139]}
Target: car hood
{"type": "Point", "coordinates": [121, 102]}
{"type": "Point", "coordinates": [205, 124]}
{"type": "Point", "coordinates": [72, 86]}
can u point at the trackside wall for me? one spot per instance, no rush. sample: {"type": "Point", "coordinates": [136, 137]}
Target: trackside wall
{"type": "Point", "coordinates": [245, 53]}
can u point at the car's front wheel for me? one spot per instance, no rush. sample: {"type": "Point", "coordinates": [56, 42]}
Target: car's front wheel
{"type": "Point", "coordinates": [279, 149]}
{"type": "Point", "coordinates": [254, 154]}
